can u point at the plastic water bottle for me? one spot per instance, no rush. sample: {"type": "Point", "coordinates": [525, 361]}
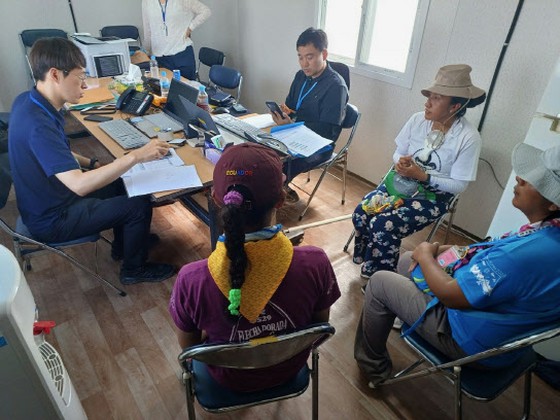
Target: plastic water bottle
{"type": "Point", "coordinates": [202, 100]}
{"type": "Point", "coordinates": [154, 68]}
{"type": "Point", "coordinates": [164, 84]}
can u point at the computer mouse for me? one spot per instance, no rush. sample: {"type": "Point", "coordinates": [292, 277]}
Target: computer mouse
{"type": "Point", "coordinates": [220, 110]}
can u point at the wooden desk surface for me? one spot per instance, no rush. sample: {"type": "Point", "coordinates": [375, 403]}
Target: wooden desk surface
{"type": "Point", "coordinates": [190, 155]}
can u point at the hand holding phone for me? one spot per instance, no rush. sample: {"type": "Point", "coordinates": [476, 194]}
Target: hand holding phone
{"type": "Point", "coordinates": [274, 107]}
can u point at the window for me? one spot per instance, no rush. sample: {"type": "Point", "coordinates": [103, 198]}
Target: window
{"type": "Point", "coordinates": [380, 38]}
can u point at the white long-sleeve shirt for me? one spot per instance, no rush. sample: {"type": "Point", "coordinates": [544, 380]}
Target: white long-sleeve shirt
{"type": "Point", "coordinates": [168, 36]}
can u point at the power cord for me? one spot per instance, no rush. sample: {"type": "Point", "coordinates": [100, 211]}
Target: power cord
{"type": "Point", "coordinates": [493, 173]}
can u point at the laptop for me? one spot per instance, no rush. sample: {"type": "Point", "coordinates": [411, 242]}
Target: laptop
{"type": "Point", "coordinates": [174, 116]}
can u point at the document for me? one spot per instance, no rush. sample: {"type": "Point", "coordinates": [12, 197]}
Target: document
{"type": "Point", "coordinates": [299, 139]}
{"type": "Point", "coordinates": [260, 121]}
{"type": "Point", "coordinates": [165, 174]}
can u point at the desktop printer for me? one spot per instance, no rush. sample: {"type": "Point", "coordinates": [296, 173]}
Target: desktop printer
{"type": "Point", "coordinates": [103, 57]}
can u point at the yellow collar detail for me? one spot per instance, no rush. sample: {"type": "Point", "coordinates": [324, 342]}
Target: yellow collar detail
{"type": "Point", "coordinates": [268, 262]}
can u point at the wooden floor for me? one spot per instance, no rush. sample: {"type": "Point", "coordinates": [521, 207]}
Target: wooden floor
{"type": "Point", "coordinates": [121, 352]}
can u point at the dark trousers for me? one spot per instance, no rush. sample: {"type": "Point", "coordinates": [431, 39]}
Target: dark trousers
{"type": "Point", "coordinates": [183, 61]}
{"type": "Point", "coordinates": [294, 167]}
{"type": "Point", "coordinates": [107, 208]}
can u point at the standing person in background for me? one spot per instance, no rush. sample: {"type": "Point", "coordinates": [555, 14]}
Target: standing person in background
{"type": "Point", "coordinates": [168, 25]}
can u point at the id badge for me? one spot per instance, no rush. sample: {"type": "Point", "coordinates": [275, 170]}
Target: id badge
{"type": "Point", "coordinates": [453, 254]}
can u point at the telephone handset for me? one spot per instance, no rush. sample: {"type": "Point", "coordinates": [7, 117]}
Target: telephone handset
{"type": "Point", "coordinates": [134, 102]}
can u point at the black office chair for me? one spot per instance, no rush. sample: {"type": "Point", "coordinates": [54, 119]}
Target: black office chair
{"type": "Point", "coordinates": [29, 36]}
{"type": "Point", "coordinates": [209, 57]}
{"type": "Point", "coordinates": [222, 77]}
{"type": "Point", "coordinates": [478, 384]}
{"type": "Point", "coordinates": [339, 159]}
{"type": "Point", "coordinates": [25, 245]}
{"type": "Point", "coordinates": [252, 354]}
{"type": "Point", "coordinates": [343, 70]}
{"type": "Point", "coordinates": [123, 31]}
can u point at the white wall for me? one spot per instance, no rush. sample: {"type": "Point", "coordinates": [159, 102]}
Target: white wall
{"type": "Point", "coordinates": [258, 37]}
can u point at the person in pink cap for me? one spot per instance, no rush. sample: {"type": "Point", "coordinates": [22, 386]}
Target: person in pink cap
{"type": "Point", "coordinates": [255, 283]}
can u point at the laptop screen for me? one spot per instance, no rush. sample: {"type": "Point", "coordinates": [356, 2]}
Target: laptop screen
{"type": "Point", "coordinates": [196, 115]}
{"type": "Point", "coordinates": [178, 93]}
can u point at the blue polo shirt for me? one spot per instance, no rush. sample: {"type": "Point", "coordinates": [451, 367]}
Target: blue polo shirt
{"type": "Point", "coordinates": [323, 104]}
{"type": "Point", "coordinates": [39, 150]}
{"type": "Point", "coordinates": [513, 287]}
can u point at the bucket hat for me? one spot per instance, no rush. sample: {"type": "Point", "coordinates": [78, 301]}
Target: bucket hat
{"type": "Point", "coordinates": [455, 80]}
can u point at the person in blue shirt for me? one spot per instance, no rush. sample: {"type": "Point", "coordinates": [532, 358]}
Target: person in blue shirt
{"type": "Point", "coordinates": [59, 202]}
{"type": "Point", "coordinates": [318, 97]}
{"type": "Point", "coordinates": [496, 291]}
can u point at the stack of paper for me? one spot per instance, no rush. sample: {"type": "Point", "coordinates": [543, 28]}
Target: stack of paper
{"type": "Point", "coordinates": [299, 139]}
{"type": "Point", "coordinates": [169, 173]}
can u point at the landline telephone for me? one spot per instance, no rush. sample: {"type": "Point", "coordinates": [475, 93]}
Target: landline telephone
{"type": "Point", "coordinates": [134, 102]}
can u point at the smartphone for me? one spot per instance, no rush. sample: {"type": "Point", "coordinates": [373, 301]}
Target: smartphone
{"type": "Point", "coordinates": [274, 107]}
{"type": "Point", "coordinates": [97, 118]}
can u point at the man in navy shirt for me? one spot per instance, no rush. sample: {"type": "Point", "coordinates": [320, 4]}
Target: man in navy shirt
{"type": "Point", "coordinates": [56, 199]}
{"type": "Point", "coordinates": [318, 97]}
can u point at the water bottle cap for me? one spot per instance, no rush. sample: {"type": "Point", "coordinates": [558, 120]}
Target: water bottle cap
{"type": "Point", "coordinates": [163, 74]}
{"type": "Point", "coordinates": [153, 57]}
{"type": "Point", "coordinates": [202, 88]}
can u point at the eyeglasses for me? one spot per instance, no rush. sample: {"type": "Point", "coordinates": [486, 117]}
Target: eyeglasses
{"type": "Point", "coordinates": [82, 77]}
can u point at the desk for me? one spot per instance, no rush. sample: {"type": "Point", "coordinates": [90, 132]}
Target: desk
{"type": "Point", "coordinates": [189, 155]}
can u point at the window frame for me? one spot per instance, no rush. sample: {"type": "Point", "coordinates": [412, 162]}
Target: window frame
{"type": "Point", "coordinates": [404, 79]}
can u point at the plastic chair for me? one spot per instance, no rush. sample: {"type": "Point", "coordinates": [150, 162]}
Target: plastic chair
{"type": "Point", "coordinates": [254, 354]}
{"type": "Point", "coordinates": [29, 36]}
{"type": "Point", "coordinates": [343, 70]}
{"type": "Point", "coordinates": [451, 212]}
{"type": "Point", "coordinates": [123, 31]}
{"type": "Point", "coordinates": [223, 77]}
{"type": "Point", "coordinates": [339, 158]}
{"type": "Point", "coordinates": [479, 384]}
{"type": "Point", "coordinates": [209, 57]}
{"type": "Point", "coordinates": [25, 245]}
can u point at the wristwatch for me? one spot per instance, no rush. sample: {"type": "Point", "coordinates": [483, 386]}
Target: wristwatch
{"type": "Point", "coordinates": [92, 163]}
{"type": "Point", "coordinates": [427, 181]}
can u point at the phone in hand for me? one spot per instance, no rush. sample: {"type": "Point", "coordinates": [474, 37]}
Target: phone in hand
{"type": "Point", "coordinates": [97, 118]}
{"type": "Point", "coordinates": [274, 107]}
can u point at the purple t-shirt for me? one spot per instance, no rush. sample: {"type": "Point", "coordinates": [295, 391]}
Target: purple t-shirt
{"type": "Point", "coordinates": [198, 305]}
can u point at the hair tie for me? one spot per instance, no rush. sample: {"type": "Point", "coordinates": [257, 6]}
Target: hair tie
{"type": "Point", "coordinates": [234, 301]}
{"type": "Point", "coordinates": [233, 198]}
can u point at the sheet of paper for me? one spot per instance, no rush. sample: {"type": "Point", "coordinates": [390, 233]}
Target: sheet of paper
{"type": "Point", "coordinates": [260, 121]}
{"type": "Point", "coordinates": [300, 140]}
{"type": "Point", "coordinates": [166, 162]}
{"type": "Point", "coordinates": [163, 179]}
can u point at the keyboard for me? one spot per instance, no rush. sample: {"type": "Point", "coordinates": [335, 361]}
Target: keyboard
{"type": "Point", "coordinates": [124, 134]}
{"type": "Point", "coordinates": [237, 126]}
{"type": "Point", "coordinates": [164, 122]}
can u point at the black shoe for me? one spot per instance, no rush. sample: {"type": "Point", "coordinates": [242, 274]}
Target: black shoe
{"type": "Point", "coordinates": [149, 273]}
{"type": "Point", "coordinates": [153, 239]}
{"type": "Point", "coordinates": [291, 195]}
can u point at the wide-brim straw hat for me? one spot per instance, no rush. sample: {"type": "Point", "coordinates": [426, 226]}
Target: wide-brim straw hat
{"type": "Point", "coordinates": [540, 168]}
{"type": "Point", "coordinates": [455, 80]}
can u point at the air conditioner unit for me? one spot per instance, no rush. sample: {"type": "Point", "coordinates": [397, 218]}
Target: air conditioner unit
{"type": "Point", "coordinates": [34, 383]}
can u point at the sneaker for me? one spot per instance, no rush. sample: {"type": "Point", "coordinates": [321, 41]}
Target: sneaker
{"type": "Point", "coordinates": [149, 273]}
{"type": "Point", "coordinates": [153, 239]}
{"type": "Point", "coordinates": [398, 323]}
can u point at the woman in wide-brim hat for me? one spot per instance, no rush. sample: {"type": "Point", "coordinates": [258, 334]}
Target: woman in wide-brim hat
{"type": "Point", "coordinates": [436, 158]}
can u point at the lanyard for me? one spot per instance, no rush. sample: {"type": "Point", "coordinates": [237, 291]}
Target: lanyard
{"type": "Point", "coordinates": [163, 14]}
{"type": "Point", "coordinates": [57, 122]}
{"type": "Point", "coordinates": [302, 96]}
